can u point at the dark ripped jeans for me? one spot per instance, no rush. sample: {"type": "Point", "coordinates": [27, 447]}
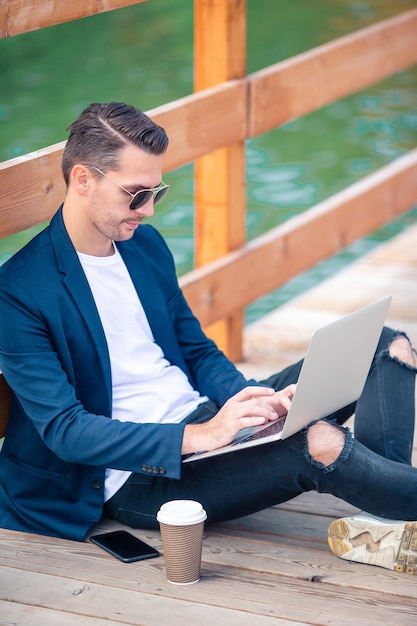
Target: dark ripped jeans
{"type": "Point", "coordinates": [373, 471]}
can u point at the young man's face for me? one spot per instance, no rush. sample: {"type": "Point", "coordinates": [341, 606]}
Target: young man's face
{"type": "Point", "coordinates": [108, 209]}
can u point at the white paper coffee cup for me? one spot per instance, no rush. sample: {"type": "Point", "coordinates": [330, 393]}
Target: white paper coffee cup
{"type": "Point", "coordinates": [182, 525]}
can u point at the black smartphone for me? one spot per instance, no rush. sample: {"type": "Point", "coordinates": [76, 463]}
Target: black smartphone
{"type": "Point", "coordinates": [124, 546]}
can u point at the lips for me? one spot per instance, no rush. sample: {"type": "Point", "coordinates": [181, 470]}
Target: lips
{"type": "Point", "coordinates": [133, 225]}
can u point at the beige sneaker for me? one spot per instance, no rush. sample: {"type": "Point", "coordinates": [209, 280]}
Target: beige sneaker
{"type": "Point", "coordinates": [373, 540]}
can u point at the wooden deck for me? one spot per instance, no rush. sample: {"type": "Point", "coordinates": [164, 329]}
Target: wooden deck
{"type": "Point", "coordinates": [270, 568]}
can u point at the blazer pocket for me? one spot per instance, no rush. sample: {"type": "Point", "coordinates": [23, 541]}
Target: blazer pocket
{"type": "Point", "coordinates": [41, 472]}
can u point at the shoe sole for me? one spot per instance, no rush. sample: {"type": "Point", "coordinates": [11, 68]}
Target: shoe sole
{"type": "Point", "coordinates": [393, 546]}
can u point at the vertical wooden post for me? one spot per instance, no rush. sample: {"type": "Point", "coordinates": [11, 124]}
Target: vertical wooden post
{"type": "Point", "coordinates": [220, 182]}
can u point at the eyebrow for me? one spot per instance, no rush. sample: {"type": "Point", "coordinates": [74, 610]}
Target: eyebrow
{"type": "Point", "coordinates": [135, 188]}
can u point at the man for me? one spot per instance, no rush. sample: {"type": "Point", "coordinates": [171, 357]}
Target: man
{"type": "Point", "coordinates": [114, 381]}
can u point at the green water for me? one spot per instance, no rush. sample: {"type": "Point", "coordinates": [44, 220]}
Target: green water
{"type": "Point", "coordinates": [144, 55]}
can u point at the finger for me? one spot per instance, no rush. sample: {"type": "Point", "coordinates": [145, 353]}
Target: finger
{"type": "Point", "coordinates": [250, 422]}
{"type": "Point", "coordinates": [256, 408]}
{"type": "Point", "coordinates": [290, 390]}
{"type": "Point", "coordinates": [254, 392]}
{"type": "Point", "coordinates": [281, 402]}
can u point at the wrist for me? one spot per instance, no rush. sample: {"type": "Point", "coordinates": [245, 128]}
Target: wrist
{"type": "Point", "coordinates": [193, 439]}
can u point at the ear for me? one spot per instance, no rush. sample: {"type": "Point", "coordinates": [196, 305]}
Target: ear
{"type": "Point", "coordinates": [79, 178]}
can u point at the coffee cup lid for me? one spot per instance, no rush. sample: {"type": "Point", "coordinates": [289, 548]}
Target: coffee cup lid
{"type": "Point", "coordinates": [181, 513]}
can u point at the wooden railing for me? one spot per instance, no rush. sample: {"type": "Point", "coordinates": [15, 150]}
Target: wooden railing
{"type": "Point", "coordinates": [213, 124]}
{"type": "Point", "coordinates": [17, 17]}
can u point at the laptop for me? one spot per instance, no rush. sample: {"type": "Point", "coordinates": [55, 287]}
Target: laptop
{"type": "Point", "coordinates": [332, 376]}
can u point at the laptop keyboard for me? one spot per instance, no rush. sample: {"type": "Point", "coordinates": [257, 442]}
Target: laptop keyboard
{"type": "Point", "coordinates": [273, 429]}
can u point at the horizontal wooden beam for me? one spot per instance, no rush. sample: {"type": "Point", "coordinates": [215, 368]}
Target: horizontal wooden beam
{"type": "Point", "coordinates": [32, 187]}
{"type": "Point", "coordinates": [311, 80]}
{"type": "Point", "coordinates": [203, 122]}
{"type": "Point", "coordinates": [17, 17]}
{"type": "Point", "coordinates": [267, 262]}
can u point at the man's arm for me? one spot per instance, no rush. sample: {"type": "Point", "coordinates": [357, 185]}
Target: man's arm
{"type": "Point", "coordinates": [253, 406]}
{"type": "Point", "coordinates": [62, 389]}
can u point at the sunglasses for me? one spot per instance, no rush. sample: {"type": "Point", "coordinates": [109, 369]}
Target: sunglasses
{"type": "Point", "coordinates": [140, 198]}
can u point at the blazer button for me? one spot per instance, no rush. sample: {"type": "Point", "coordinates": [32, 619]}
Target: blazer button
{"type": "Point", "coordinates": [162, 470]}
{"type": "Point", "coordinates": [145, 468]}
{"type": "Point", "coordinates": [97, 484]}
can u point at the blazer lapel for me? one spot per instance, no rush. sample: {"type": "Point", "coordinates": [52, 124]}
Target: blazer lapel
{"type": "Point", "coordinates": [78, 288]}
{"type": "Point", "coordinates": [148, 291]}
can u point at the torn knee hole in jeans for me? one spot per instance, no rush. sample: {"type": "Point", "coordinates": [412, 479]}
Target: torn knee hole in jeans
{"type": "Point", "coordinates": [401, 350]}
{"type": "Point", "coordinates": [325, 443]}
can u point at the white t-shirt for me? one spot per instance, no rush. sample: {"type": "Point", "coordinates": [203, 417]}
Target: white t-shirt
{"type": "Point", "coordinates": [145, 386]}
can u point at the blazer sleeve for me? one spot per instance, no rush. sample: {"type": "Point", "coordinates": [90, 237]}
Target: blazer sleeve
{"type": "Point", "coordinates": [56, 375]}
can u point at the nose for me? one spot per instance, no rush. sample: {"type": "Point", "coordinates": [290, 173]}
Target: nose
{"type": "Point", "coordinates": [146, 210]}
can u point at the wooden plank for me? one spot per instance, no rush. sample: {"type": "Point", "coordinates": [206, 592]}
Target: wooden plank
{"type": "Point", "coordinates": [275, 541]}
{"type": "Point", "coordinates": [219, 41]}
{"type": "Point", "coordinates": [278, 542]}
{"type": "Point", "coordinates": [18, 17]}
{"type": "Point", "coordinates": [29, 615]}
{"type": "Point", "coordinates": [21, 615]}
{"type": "Point", "coordinates": [124, 605]}
{"type": "Point", "coordinates": [270, 550]}
{"type": "Point", "coordinates": [286, 558]}
{"type": "Point", "coordinates": [281, 337]}
{"type": "Point", "coordinates": [32, 187]}
{"type": "Point", "coordinates": [220, 55]}
{"type": "Point", "coordinates": [193, 123]}
{"type": "Point", "coordinates": [320, 76]}
{"type": "Point", "coordinates": [273, 258]}
{"type": "Point", "coordinates": [227, 595]}
{"type": "Point", "coordinates": [220, 215]}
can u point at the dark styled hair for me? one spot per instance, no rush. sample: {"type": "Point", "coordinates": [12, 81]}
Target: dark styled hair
{"type": "Point", "coordinates": [102, 130]}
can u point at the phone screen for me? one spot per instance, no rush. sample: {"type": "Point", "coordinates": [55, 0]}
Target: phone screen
{"type": "Point", "coordinates": [124, 546]}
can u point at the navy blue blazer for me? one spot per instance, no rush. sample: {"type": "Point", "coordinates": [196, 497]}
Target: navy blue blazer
{"type": "Point", "coordinates": [54, 355]}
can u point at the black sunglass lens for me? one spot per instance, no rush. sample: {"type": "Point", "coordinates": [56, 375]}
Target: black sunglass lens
{"type": "Point", "coordinates": [141, 198]}
{"type": "Point", "coordinates": [144, 195]}
{"type": "Point", "coordinates": [160, 194]}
